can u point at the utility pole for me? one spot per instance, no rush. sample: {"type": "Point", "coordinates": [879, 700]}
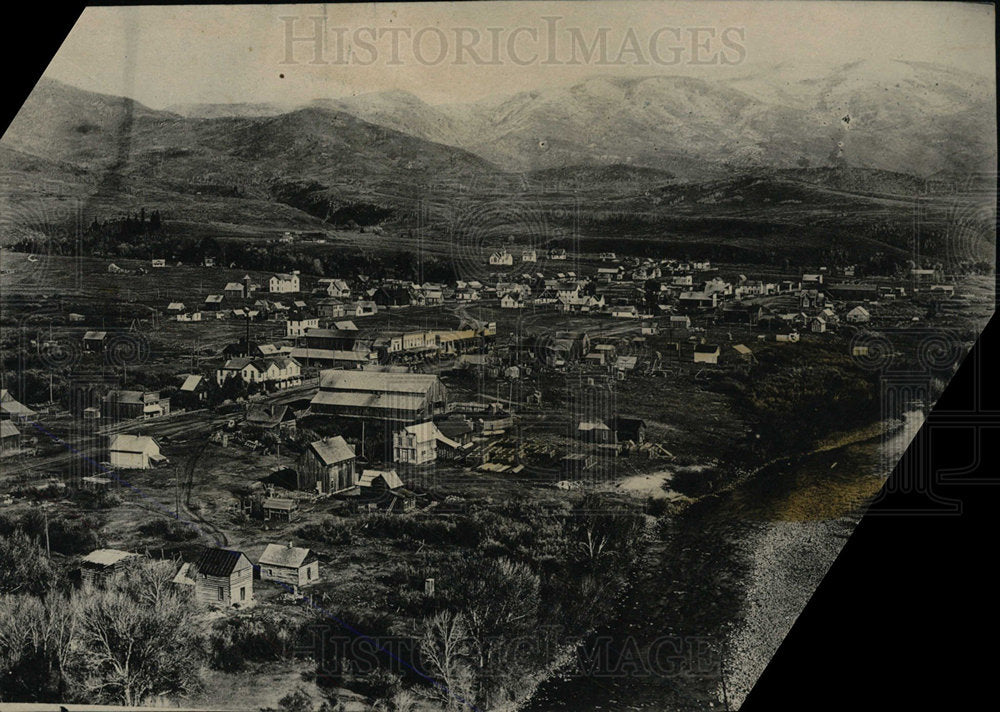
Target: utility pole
{"type": "Point", "coordinates": [48, 549]}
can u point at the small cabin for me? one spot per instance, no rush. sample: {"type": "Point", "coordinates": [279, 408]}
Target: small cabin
{"type": "Point", "coordinates": [222, 578]}
{"type": "Point", "coordinates": [293, 566]}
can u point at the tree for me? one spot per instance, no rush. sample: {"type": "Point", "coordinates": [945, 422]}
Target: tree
{"type": "Point", "coordinates": [35, 640]}
{"type": "Point", "coordinates": [136, 640]}
{"type": "Point", "coordinates": [445, 647]}
{"type": "Point", "coordinates": [26, 568]}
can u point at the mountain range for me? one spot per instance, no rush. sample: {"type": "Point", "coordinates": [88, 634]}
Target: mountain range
{"type": "Point", "coordinates": [659, 145]}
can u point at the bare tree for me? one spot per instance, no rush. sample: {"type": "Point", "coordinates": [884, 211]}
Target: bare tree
{"type": "Point", "coordinates": [445, 648]}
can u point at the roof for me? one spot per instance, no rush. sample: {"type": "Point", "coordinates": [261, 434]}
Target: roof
{"type": "Point", "coordinates": [387, 401]}
{"type": "Point", "coordinates": [123, 442]}
{"type": "Point", "coordinates": [8, 429]}
{"type": "Point", "coordinates": [234, 287]}
{"type": "Point", "coordinates": [368, 477]}
{"type": "Point", "coordinates": [278, 555]}
{"type": "Point", "coordinates": [106, 557]}
{"type": "Point", "coordinates": [191, 382]}
{"type": "Point", "coordinates": [377, 381]}
{"type": "Point", "coordinates": [280, 503]}
{"type": "Point", "coordinates": [333, 450]}
{"type": "Point", "coordinates": [94, 335]}
{"type": "Point", "coordinates": [219, 562]}
{"type": "Point", "coordinates": [706, 348]}
{"type": "Point", "coordinates": [213, 299]}
{"type": "Point", "coordinates": [423, 431]}
{"type": "Point", "coordinates": [10, 405]}
{"type": "Point", "coordinates": [741, 349]}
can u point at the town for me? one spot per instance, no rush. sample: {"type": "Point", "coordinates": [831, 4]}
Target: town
{"type": "Point", "coordinates": [280, 414]}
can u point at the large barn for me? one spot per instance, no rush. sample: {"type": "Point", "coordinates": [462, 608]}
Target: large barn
{"type": "Point", "coordinates": [379, 395]}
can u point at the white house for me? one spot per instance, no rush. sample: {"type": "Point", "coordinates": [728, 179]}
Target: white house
{"type": "Point", "coordinates": [502, 257]}
{"type": "Point", "coordinates": [283, 283]}
{"type": "Point", "coordinates": [416, 444]}
{"type": "Point", "coordinates": [512, 300]}
{"type": "Point", "coordinates": [296, 326]}
{"type": "Point", "coordinates": [338, 289]}
{"type": "Point", "coordinates": [858, 315]}
{"type": "Point", "coordinates": [134, 452]}
{"type": "Point", "coordinates": [529, 256]}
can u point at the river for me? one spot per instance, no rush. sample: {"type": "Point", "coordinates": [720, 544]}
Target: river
{"type": "Point", "coordinates": [725, 583]}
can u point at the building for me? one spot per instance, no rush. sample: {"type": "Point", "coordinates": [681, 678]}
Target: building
{"type": "Point", "coordinates": [629, 429]}
{"type": "Point", "coordinates": [222, 578]}
{"type": "Point", "coordinates": [10, 438]}
{"type": "Point", "coordinates": [131, 405]}
{"type": "Point", "coordinates": [706, 353]}
{"type": "Point", "coordinates": [213, 302]}
{"type": "Point", "coordinates": [276, 419]}
{"type": "Point", "coordinates": [234, 290]}
{"type": "Point", "coordinates": [278, 372]}
{"type": "Point", "coordinates": [557, 253]}
{"type": "Point", "coordinates": [100, 564]}
{"type": "Point", "coordinates": [416, 444]}
{"type": "Point", "coordinates": [94, 340]}
{"type": "Point", "coordinates": [279, 509]}
{"type": "Point", "coordinates": [595, 432]}
{"type": "Point", "coordinates": [283, 284]}
{"type": "Point", "coordinates": [296, 325]}
{"type": "Point", "coordinates": [383, 489]}
{"type": "Point", "coordinates": [817, 325]}
{"type": "Point", "coordinates": [293, 566]}
{"type": "Point", "coordinates": [512, 300]}
{"type": "Point", "coordinates": [337, 288]}
{"type": "Point", "coordinates": [327, 466]}
{"type": "Point", "coordinates": [858, 315]}
{"type": "Point", "coordinates": [11, 408]}
{"type": "Point", "coordinates": [134, 452]}
{"type": "Point", "coordinates": [380, 395]}
{"type": "Point", "coordinates": [529, 255]}
{"type": "Point", "coordinates": [502, 258]}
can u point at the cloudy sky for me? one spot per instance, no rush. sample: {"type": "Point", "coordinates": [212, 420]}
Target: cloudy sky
{"type": "Point", "coordinates": [454, 52]}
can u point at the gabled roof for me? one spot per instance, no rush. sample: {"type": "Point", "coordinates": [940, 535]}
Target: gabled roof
{"type": "Point", "coordinates": [368, 477]}
{"type": "Point", "coordinates": [219, 562]}
{"type": "Point", "coordinates": [10, 405]}
{"type": "Point", "coordinates": [106, 557]}
{"type": "Point", "coordinates": [289, 556]}
{"type": "Point", "coordinates": [330, 451]}
{"type": "Point", "coordinates": [8, 429]}
{"type": "Point", "coordinates": [94, 335]}
{"type": "Point", "coordinates": [191, 382]}
{"type": "Point", "coordinates": [122, 442]}
{"type": "Point", "coordinates": [373, 381]}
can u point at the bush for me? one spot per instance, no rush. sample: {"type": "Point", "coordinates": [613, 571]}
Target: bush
{"type": "Point", "coordinates": [169, 529]}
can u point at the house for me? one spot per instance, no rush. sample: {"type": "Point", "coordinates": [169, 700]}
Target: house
{"type": "Point", "coordinates": [379, 395]}
{"type": "Point", "coordinates": [134, 452]}
{"type": "Point", "coordinates": [416, 444]}
{"type": "Point", "coordinates": [213, 302]}
{"type": "Point", "coordinates": [629, 429]}
{"type": "Point", "coordinates": [283, 283]}
{"type": "Point", "coordinates": [234, 290]}
{"type": "Point", "coordinates": [706, 353]}
{"type": "Point", "coordinates": [193, 386]}
{"type": "Point", "coordinates": [363, 308]}
{"type": "Point", "coordinates": [502, 257]}
{"type": "Point", "coordinates": [595, 432]}
{"type": "Point", "coordinates": [10, 438]}
{"type": "Point", "coordinates": [625, 312]}
{"type": "Point", "coordinates": [529, 256]}
{"type": "Point", "coordinates": [512, 300]}
{"type": "Point", "coordinates": [100, 564]}
{"type": "Point", "coordinates": [327, 466]}
{"type": "Point", "coordinates": [296, 325]}
{"type": "Point", "coordinates": [337, 288]}
{"type": "Point", "coordinates": [384, 489]}
{"type": "Point", "coordinates": [176, 307]}
{"type": "Point", "coordinates": [858, 315]}
{"type": "Point", "coordinates": [222, 578]}
{"type": "Point", "coordinates": [557, 253]}
{"type": "Point", "coordinates": [131, 405]}
{"type": "Point", "coordinates": [276, 419]}
{"type": "Point", "coordinates": [94, 340]}
{"type": "Point", "coordinates": [817, 325]}
{"type": "Point", "coordinates": [680, 321]}
{"type": "Point", "coordinates": [293, 566]}
{"type": "Point", "coordinates": [279, 509]}
{"type": "Point", "coordinates": [11, 408]}
{"type": "Point", "coordinates": [278, 372]}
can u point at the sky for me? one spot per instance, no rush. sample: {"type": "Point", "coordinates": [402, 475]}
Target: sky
{"type": "Point", "coordinates": [458, 52]}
